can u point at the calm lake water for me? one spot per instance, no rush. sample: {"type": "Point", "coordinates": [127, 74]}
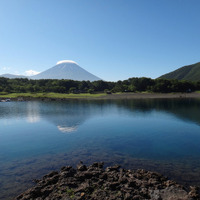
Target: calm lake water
{"type": "Point", "coordinates": [36, 137]}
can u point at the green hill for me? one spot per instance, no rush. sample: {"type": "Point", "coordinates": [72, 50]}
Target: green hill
{"type": "Point", "coordinates": [189, 72]}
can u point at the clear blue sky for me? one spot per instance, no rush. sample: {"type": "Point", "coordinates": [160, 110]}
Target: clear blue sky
{"type": "Point", "coordinates": [113, 39]}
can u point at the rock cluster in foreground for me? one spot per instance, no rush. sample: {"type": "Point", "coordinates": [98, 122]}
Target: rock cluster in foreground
{"type": "Point", "coordinates": [112, 183]}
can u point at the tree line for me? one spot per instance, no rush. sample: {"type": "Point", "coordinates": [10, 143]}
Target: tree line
{"type": "Point", "coordinates": [24, 85]}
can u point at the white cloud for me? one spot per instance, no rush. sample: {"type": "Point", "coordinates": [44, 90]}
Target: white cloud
{"type": "Point", "coordinates": [6, 68]}
{"type": "Point", "coordinates": [31, 72]}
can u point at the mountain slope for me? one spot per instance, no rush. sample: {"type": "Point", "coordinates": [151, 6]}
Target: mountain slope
{"type": "Point", "coordinates": [189, 72]}
{"type": "Point", "coordinates": [12, 76]}
{"type": "Point", "coordinates": [66, 70]}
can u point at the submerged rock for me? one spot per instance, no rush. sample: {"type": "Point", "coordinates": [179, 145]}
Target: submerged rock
{"type": "Point", "coordinates": [95, 182]}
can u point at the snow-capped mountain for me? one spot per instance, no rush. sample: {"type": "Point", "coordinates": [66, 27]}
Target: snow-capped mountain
{"type": "Point", "coordinates": [66, 69]}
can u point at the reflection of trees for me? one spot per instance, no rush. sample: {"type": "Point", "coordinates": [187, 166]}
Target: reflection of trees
{"type": "Point", "coordinates": [186, 109]}
{"type": "Point", "coordinates": [19, 110]}
{"type": "Point", "coordinates": [68, 115]}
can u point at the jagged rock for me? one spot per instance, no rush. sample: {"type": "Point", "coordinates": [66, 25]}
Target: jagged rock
{"type": "Point", "coordinates": [194, 192]}
{"type": "Point", "coordinates": [95, 182]}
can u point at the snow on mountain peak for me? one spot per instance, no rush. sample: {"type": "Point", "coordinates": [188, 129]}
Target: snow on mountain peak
{"type": "Point", "coordinates": [65, 61]}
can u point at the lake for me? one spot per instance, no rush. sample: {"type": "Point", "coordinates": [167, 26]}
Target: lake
{"type": "Point", "coordinates": [37, 137]}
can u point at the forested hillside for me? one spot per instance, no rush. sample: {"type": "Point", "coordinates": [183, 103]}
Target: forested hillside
{"type": "Point", "coordinates": [189, 72]}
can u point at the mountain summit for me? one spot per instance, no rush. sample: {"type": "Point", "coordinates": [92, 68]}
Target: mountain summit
{"type": "Point", "coordinates": [66, 69]}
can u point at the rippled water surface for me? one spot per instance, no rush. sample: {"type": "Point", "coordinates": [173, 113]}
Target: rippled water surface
{"type": "Point", "coordinates": [37, 137]}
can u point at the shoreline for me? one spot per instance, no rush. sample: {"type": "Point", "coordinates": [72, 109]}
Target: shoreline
{"type": "Point", "coordinates": [151, 95]}
{"type": "Point", "coordinates": [98, 183]}
{"type": "Point", "coordinates": [102, 96]}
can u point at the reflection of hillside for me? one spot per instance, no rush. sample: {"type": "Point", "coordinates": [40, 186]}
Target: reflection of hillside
{"type": "Point", "coordinates": [68, 115]}
{"type": "Point", "coordinates": [29, 110]}
{"type": "Point", "coordinates": [185, 109]}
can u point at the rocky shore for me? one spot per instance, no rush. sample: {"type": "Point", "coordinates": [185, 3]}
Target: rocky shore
{"type": "Point", "coordinates": [112, 183]}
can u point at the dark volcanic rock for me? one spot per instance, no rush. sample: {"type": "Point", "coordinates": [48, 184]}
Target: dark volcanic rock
{"type": "Point", "coordinates": [93, 182]}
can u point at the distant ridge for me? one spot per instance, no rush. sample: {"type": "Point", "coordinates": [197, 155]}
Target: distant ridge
{"type": "Point", "coordinates": [189, 73]}
{"type": "Point", "coordinates": [12, 76]}
{"type": "Point", "coordinates": [66, 69]}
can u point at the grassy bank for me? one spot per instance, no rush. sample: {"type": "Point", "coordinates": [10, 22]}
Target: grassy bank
{"type": "Point", "coordinates": [137, 95]}
{"type": "Point", "coordinates": [51, 95]}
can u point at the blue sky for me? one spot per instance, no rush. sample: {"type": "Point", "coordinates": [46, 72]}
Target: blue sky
{"type": "Point", "coordinates": [113, 39]}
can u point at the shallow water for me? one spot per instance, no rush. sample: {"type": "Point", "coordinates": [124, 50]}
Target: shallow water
{"type": "Point", "coordinates": [36, 137]}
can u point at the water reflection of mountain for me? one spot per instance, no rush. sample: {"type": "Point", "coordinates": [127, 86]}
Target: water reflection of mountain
{"type": "Point", "coordinates": [68, 115]}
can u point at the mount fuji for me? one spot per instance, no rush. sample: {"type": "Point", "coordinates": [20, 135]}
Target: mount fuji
{"type": "Point", "coordinates": [66, 69]}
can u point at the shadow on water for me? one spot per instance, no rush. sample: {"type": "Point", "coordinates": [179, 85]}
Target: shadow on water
{"type": "Point", "coordinates": [145, 133]}
{"type": "Point", "coordinates": [185, 109]}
